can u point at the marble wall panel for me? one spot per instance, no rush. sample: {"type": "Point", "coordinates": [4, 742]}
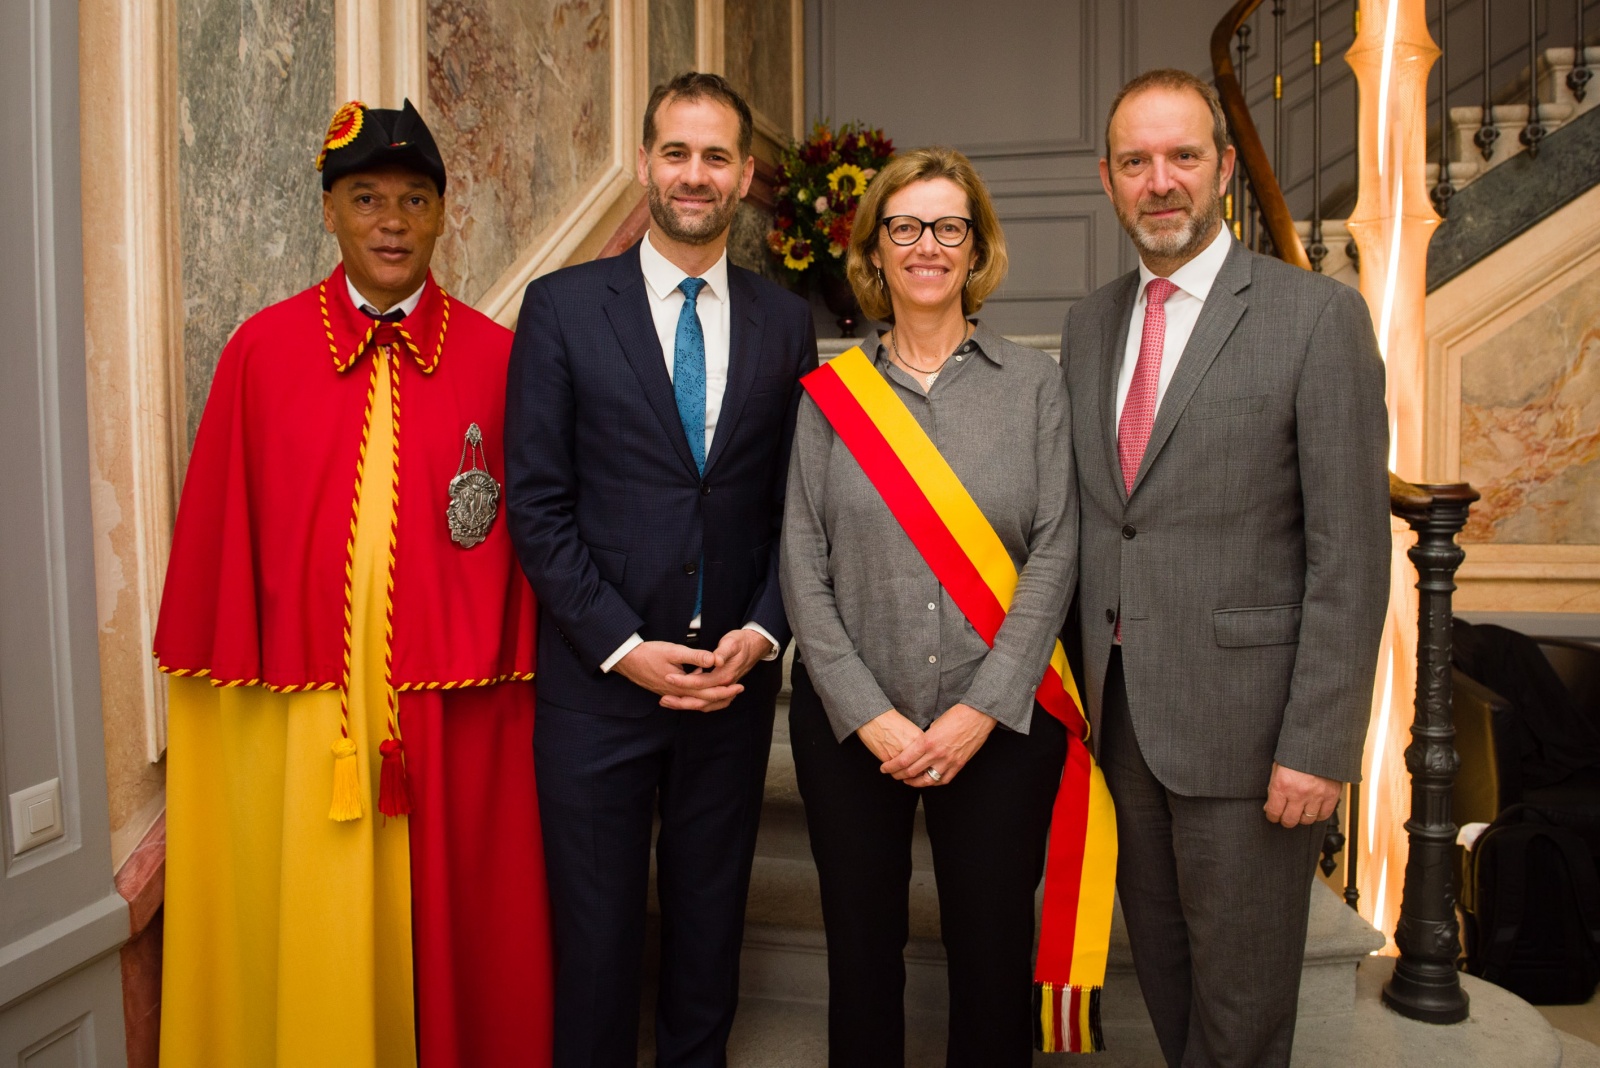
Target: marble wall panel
{"type": "Point", "coordinates": [672, 30]}
{"type": "Point", "coordinates": [519, 98]}
{"type": "Point", "coordinates": [758, 56]}
{"type": "Point", "coordinates": [747, 242]}
{"type": "Point", "coordinates": [1530, 424]}
{"type": "Point", "coordinates": [255, 92]}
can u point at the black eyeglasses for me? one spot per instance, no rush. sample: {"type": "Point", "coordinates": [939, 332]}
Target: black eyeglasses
{"type": "Point", "coordinates": [949, 231]}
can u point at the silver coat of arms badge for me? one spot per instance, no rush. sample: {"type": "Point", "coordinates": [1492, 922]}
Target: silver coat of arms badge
{"type": "Point", "coordinates": [474, 494]}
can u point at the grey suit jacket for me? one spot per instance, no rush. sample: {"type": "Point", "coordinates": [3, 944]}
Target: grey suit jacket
{"type": "Point", "coordinates": [1251, 561]}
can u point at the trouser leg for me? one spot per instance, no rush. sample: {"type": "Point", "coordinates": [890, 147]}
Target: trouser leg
{"type": "Point", "coordinates": [1216, 900]}
{"type": "Point", "coordinates": [597, 781]}
{"type": "Point", "coordinates": [1246, 890]}
{"type": "Point", "coordinates": [988, 828]}
{"type": "Point", "coordinates": [860, 823]}
{"type": "Point", "coordinates": [710, 808]}
{"type": "Point", "coordinates": [1147, 872]}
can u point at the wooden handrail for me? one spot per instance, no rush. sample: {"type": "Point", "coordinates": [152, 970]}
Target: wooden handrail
{"type": "Point", "coordinates": [1403, 496]}
{"type": "Point", "coordinates": [1252, 154]}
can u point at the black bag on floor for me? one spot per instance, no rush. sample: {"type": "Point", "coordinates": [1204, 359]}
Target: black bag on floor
{"type": "Point", "coordinates": [1533, 909]}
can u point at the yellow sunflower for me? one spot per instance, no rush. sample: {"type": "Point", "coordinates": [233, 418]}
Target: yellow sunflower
{"type": "Point", "coordinates": [797, 254]}
{"type": "Point", "coordinates": [848, 178]}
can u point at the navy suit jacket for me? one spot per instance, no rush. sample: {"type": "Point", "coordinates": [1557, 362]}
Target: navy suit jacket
{"type": "Point", "coordinates": [609, 516]}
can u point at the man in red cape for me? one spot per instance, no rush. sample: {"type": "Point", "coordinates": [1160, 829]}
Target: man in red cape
{"type": "Point", "coordinates": [355, 872]}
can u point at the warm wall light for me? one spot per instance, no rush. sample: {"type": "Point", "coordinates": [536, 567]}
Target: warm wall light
{"type": "Point", "coordinates": [1392, 225]}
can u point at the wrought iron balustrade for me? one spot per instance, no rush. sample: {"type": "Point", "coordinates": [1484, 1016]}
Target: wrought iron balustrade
{"type": "Point", "coordinates": [1268, 58]}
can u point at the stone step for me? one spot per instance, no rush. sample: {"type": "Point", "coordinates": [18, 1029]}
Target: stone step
{"type": "Point", "coordinates": [1502, 1032]}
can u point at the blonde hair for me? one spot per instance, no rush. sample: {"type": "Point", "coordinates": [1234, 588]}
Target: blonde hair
{"type": "Point", "coordinates": [921, 165]}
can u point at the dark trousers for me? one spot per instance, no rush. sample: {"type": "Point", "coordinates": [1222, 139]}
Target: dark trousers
{"type": "Point", "coordinates": [987, 829]}
{"type": "Point", "coordinates": [1216, 900]}
{"type": "Point", "coordinates": [601, 781]}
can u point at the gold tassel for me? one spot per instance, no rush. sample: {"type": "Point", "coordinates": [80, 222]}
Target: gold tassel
{"type": "Point", "coordinates": [346, 782]}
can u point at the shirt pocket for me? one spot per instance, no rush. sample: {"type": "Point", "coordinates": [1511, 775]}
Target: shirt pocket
{"type": "Point", "coordinates": [1277, 624]}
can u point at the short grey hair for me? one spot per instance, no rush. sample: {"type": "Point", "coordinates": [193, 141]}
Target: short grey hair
{"type": "Point", "coordinates": [1177, 81]}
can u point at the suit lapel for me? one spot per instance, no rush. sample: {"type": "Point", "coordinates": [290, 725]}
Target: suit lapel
{"type": "Point", "coordinates": [744, 358]}
{"type": "Point", "coordinates": [1114, 340]}
{"type": "Point", "coordinates": [629, 312]}
{"type": "Point", "coordinates": [1222, 312]}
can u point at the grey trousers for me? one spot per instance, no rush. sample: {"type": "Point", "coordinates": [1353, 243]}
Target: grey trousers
{"type": "Point", "coordinates": [1216, 900]}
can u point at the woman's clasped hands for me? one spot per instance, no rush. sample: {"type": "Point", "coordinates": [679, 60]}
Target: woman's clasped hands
{"type": "Point", "coordinates": [932, 757]}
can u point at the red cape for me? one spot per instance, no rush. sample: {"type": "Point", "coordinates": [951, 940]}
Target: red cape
{"type": "Point", "coordinates": [255, 589]}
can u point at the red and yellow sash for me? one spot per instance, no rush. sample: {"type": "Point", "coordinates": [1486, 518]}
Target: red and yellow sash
{"type": "Point", "coordinates": [972, 564]}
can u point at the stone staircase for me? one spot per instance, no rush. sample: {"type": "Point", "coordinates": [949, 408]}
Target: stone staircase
{"type": "Point", "coordinates": [1557, 108]}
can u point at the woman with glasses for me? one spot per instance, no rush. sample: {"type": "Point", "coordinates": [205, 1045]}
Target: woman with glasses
{"type": "Point", "coordinates": [898, 697]}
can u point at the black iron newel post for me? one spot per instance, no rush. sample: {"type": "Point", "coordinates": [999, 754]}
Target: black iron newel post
{"type": "Point", "coordinates": [1425, 985]}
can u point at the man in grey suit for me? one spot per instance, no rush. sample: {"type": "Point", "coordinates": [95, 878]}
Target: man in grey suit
{"type": "Point", "coordinates": [1231, 444]}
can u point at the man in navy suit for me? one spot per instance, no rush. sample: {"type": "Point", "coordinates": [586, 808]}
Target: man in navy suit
{"type": "Point", "coordinates": [649, 412]}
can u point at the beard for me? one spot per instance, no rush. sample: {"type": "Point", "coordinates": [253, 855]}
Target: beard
{"type": "Point", "coordinates": [690, 231]}
{"type": "Point", "coordinates": [1173, 239]}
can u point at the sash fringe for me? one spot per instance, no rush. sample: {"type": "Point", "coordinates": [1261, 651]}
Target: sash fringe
{"type": "Point", "coordinates": [1066, 1019]}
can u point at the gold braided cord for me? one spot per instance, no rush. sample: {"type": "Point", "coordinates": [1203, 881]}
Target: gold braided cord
{"type": "Point", "coordinates": [466, 684]}
{"type": "Point", "coordinates": [444, 327]}
{"type": "Point", "coordinates": [350, 553]}
{"type": "Point", "coordinates": [305, 687]}
{"type": "Point", "coordinates": [394, 529]}
{"type": "Point", "coordinates": [228, 684]}
{"type": "Point", "coordinates": [344, 363]}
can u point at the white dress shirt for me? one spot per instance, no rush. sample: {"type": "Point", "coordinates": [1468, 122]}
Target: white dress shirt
{"type": "Point", "coordinates": [1194, 280]}
{"type": "Point", "coordinates": [407, 306]}
{"type": "Point", "coordinates": [661, 279]}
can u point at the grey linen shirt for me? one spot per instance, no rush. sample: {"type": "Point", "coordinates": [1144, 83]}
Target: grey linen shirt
{"type": "Point", "coordinates": [874, 627]}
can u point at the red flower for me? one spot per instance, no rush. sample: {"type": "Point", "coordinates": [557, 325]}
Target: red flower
{"type": "Point", "coordinates": [839, 229]}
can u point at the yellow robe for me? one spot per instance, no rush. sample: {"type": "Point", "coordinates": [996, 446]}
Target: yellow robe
{"type": "Point", "coordinates": [288, 935]}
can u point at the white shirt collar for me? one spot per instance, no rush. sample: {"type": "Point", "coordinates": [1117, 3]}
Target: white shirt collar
{"type": "Point", "coordinates": [407, 306]}
{"type": "Point", "coordinates": [663, 276]}
{"type": "Point", "coordinates": [1196, 277]}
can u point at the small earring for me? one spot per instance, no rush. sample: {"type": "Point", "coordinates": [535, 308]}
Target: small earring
{"type": "Point", "coordinates": [968, 283]}
{"type": "Point", "coordinates": [882, 284]}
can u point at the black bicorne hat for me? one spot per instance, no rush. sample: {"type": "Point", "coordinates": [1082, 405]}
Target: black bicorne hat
{"type": "Point", "coordinates": [362, 138]}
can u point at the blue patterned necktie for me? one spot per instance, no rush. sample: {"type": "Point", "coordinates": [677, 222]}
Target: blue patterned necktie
{"type": "Point", "coordinates": [689, 371]}
{"type": "Point", "coordinates": [689, 387]}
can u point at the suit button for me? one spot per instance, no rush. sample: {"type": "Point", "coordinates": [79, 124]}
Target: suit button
{"type": "Point", "coordinates": [1111, 615]}
{"type": "Point", "coordinates": [705, 489]}
{"type": "Point", "coordinates": [689, 569]}
{"type": "Point", "coordinates": [1128, 532]}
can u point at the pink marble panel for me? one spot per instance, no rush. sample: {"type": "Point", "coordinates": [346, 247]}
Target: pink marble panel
{"type": "Point", "coordinates": [519, 98]}
{"type": "Point", "coordinates": [758, 56]}
{"type": "Point", "coordinates": [1530, 424]}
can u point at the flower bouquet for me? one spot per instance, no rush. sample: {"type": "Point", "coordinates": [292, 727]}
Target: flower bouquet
{"type": "Point", "coordinates": [820, 182]}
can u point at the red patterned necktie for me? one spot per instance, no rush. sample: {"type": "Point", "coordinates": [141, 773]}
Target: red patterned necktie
{"type": "Point", "coordinates": [1139, 409]}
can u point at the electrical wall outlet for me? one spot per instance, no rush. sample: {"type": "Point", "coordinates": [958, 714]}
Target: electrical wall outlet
{"type": "Point", "coordinates": [36, 816]}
